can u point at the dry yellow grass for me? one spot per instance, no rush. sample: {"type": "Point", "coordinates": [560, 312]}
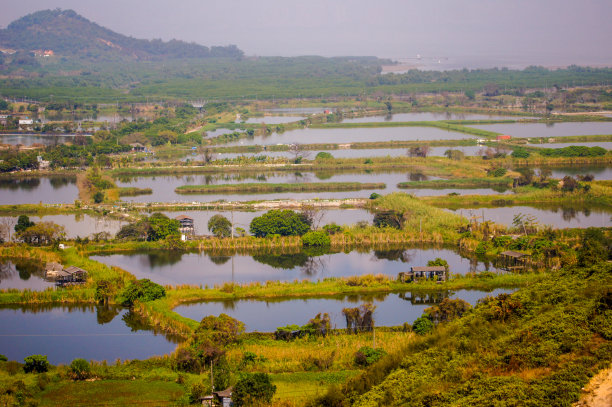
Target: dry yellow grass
{"type": "Point", "coordinates": [304, 354]}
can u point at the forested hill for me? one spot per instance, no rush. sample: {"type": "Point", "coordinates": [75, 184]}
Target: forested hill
{"type": "Point", "coordinates": [67, 33]}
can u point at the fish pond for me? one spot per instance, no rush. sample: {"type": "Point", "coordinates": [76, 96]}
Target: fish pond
{"type": "Point", "coordinates": [78, 225]}
{"type": "Point", "coordinates": [430, 116]}
{"type": "Point", "coordinates": [65, 333]}
{"type": "Point", "coordinates": [31, 190]}
{"type": "Point", "coordinates": [352, 135]}
{"type": "Point", "coordinates": [437, 151]}
{"type": "Point", "coordinates": [209, 269]}
{"type": "Point", "coordinates": [265, 316]}
{"type": "Point", "coordinates": [23, 274]}
{"type": "Point", "coordinates": [29, 139]}
{"type": "Point", "coordinates": [557, 217]}
{"type": "Point", "coordinates": [163, 187]}
{"type": "Point", "coordinates": [549, 130]}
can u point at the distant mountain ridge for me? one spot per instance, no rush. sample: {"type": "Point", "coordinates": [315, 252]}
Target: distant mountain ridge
{"type": "Point", "coordinates": [67, 33]}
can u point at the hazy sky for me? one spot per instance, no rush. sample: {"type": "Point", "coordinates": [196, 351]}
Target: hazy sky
{"type": "Point", "coordinates": [545, 32]}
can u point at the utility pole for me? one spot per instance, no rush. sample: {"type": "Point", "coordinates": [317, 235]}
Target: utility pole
{"type": "Point", "coordinates": [212, 380]}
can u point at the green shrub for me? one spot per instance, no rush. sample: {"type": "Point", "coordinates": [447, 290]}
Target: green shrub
{"type": "Point", "coordinates": [36, 363]}
{"type": "Point", "coordinates": [501, 241]}
{"type": "Point", "coordinates": [220, 226]}
{"type": "Point", "coordinates": [3, 358]}
{"type": "Point", "coordinates": [482, 247]}
{"type": "Point", "coordinates": [390, 219]}
{"type": "Point", "coordinates": [422, 325]}
{"type": "Point", "coordinates": [143, 290]}
{"type": "Point", "coordinates": [499, 172]}
{"type": "Point", "coordinates": [438, 262]}
{"type": "Point", "coordinates": [332, 229]}
{"type": "Point", "coordinates": [316, 238]}
{"type": "Point", "coordinates": [80, 369]}
{"type": "Point", "coordinates": [323, 155]}
{"type": "Point", "coordinates": [374, 195]}
{"type": "Point", "coordinates": [520, 153]}
{"type": "Point", "coordinates": [196, 391]}
{"type": "Point", "coordinates": [366, 355]}
{"type": "Point", "coordinates": [253, 389]}
{"type": "Point", "coordinates": [98, 197]}
{"type": "Point", "coordinates": [281, 222]}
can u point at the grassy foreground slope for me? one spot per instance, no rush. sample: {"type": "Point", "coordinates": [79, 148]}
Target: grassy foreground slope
{"type": "Point", "coordinates": [538, 347]}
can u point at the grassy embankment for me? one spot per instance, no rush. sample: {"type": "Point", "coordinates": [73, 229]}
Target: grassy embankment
{"type": "Point", "coordinates": [134, 191]}
{"type": "Point", "coordinates": [458, 183]}
{"type": "Point", "coordinates": [271, 188]}
{"type": "Point", "coordinates": [599, 195]}
{"type": "Point", "coordinates": [435, 166]}
{"type": "Point", "coordinates": [443, 125]}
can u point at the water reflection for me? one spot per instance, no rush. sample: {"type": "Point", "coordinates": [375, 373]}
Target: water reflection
{"type": "Point", "coordinates": [266, 316]}
{"type": "Point", "coordinates": [216, 269]}
{"type": "Point", "coordinates": [26, 184]}
{"type": "Point", "coordinates": [64, 333]}
{"type": "Point", "coordinates": [549, 130]}
{"type": "Point", "coordinates": [576, 216]}
{"type": "Point", "coordinates": [50, 190]}
{"type": "Point", "coordinates": [21, 274]}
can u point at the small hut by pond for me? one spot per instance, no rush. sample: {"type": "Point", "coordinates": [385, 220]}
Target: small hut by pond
{"type": "Point", "coordinates": [186, 224]}
{"type": "Point", "coordinates": [511, 260]}
{"type": "Point", "coordinates": [61, 275]}
{"type": "Point", "coordinates": [426, 272]}
{"type": "Point", "coordinates": [224, 397]}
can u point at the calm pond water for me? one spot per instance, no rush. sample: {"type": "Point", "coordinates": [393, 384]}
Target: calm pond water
{"type": "Point", "coordinates": [163, 186]}
{"type": "Point", "coordinates": [28, 140]}
{"type": "Point", "coordinates": [601, 172]}
{"type": "Point", "coordinates": [356, 153]}
{"type": "Point", "coordinates": [65, 333]}
{"type": "Point", "coordinates": [549, 129]}
{"type": "Point", "coordinates": [21, 274]}
{"type": "Point", "coordinates": [312, 136]}
{"type": "Point", "coordinates": [49, 190]}
{"type": "Point", "coordinates": [555, 217]}
{"type": "Point", "coordinates": [243, 219]}
{"type": "Point", "coordinates": [430, 116]}
{"type": "Point", "coordinates": [218, 132]}
{"type": "Point", "coordinates": [266, 316]}
{"type": "Point", "coordinates": [206, 269]}
{"type": "Point", "coordinates": [79, 224]}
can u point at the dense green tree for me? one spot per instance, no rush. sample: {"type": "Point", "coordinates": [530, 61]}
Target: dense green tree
{"type": "Point", "coordinates": [595, 247]}
{"type": "Point", "coordinates": [23, 222]}
{"type": "Point", "coordinates": [156, 227]}
{"type": "Point", "coordinates": [80, 369]}
{"type": "Point", "coordinates": [143, 290]}
{"type": "Point", "coordinates": [422, 325]}
{"type": "Point", "coordinates": [98, 197]}
{"type": "Point", "coordinates": [253, 390]}
{"type": "Point", "coordinates": [390, 219]}
{"type": "Point", "coordinates": [36, 364]}
{"type": "Point", "coordinates": [220, 226]}
{"type": "Point", "coordinates": [279, 222]}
